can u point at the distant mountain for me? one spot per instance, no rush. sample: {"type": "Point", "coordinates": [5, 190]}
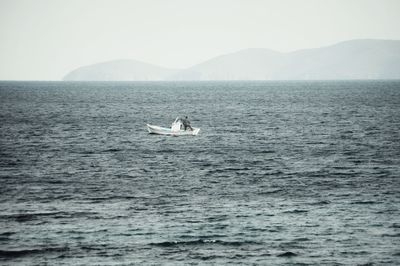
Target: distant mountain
{"type": "Point", "coordinates": [122, 70]}
{"type": "Point", "coordinates": [356, 59]}
{"type": "Point", "coordinates": [249, 64]}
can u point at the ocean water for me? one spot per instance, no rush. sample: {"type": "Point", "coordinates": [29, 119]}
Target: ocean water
{"type": "Point", "coordinates": [281, 173]}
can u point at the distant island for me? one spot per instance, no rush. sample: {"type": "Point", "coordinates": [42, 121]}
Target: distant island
{"type": "Point", "coordinates": [355, 59]}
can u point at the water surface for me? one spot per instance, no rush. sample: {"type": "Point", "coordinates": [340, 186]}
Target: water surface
{"type": "Point", "coordinates": [281, 173]}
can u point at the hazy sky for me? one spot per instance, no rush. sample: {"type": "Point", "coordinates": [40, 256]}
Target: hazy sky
{"type": "Point", "coordinates": [45, 39]}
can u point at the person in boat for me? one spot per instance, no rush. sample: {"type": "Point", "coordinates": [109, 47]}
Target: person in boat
{"type": "Point", "coordinates": [186, 123]}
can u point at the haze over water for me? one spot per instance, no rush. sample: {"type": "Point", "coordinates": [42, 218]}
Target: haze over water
{"type": "Point", "coordinates": [281, 173]}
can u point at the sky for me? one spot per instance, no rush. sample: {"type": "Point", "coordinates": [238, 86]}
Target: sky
{"type": "Point", "coordinates": [45, 39]}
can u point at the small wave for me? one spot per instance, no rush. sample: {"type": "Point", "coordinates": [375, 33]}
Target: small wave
{"type": "Point", "coordinates": [287, 254]}
{"type": "Point", "coordinates": [27, 252]}
{"type": "Point", "coordinates": [236, 169]}
{"type": "Point", "coordinates": [296, 211]}
{"type": "Point", "coordinates": [265, 152]}
{"type": "Point", "coordinates": [203, 242]}
{"type": "Point", "coordinates": [391, 235]}
{"type": "Point", "coordinates": [270, 192]}
{"type": "Point", "coordinates": [9, 163]}
{"type": "Point", "coordinates": [322, 202]}
{"type": "Point", "coordinates": [217, 218]}
{"type": "Point", "coordinates": [115, 197]}
{"type": "Point", "coordinates": [302, 239]}
{"type": "Point", "coordinates": [26, 217]}
{"type": "Point", "coordinates": [216, 171]}
{"type": "Point", "coordinates": [112, 150]}
{"type": "Point", "coordinates": [206, 257]}
{"type": "Point", "coordinates": [86, 152]}
{"type": "Point", "coordinates": [6, 234]}
{"type": "Point", "coordinates": [361, 252]}
{"type": "Point", "coordinates": [364, 202]}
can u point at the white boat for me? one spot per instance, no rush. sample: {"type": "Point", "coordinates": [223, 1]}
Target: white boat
{"type": "Point", "coordinates": [175, 130]}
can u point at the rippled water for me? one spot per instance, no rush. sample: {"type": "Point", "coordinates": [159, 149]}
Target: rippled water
{"type": "Point", "coordinates": [281, 173]}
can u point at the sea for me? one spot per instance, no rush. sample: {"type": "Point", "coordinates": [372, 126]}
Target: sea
{"type": "Point", "coordinates": [281, 173]}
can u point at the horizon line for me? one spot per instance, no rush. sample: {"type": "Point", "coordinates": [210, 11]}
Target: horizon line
{"type": "Point", "coordinates": [202, 81]}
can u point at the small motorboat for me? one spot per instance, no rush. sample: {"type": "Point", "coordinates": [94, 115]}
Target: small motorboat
{"type": "Point", "coordinates": [175, 130]}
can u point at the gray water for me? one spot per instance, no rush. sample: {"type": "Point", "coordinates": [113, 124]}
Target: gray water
{"type": "Point", "coordinates": [282, 173]}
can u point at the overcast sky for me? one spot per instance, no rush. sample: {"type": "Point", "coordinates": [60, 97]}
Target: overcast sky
{"type": "Point", "coordinates": [45, 39]}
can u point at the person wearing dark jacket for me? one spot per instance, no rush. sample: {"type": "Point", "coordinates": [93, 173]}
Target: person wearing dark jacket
{"type": "Point", "coordinates": [186, 123]}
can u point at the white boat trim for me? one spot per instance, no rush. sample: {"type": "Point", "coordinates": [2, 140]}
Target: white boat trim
{"type": "Point", "coordinates": [168, 131]}
{"type": "Point", "coordinates": [175, 130]}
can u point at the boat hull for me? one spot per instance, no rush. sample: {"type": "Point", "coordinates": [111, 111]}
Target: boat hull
{"type": "Point", "coordinates": [167, 131]}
